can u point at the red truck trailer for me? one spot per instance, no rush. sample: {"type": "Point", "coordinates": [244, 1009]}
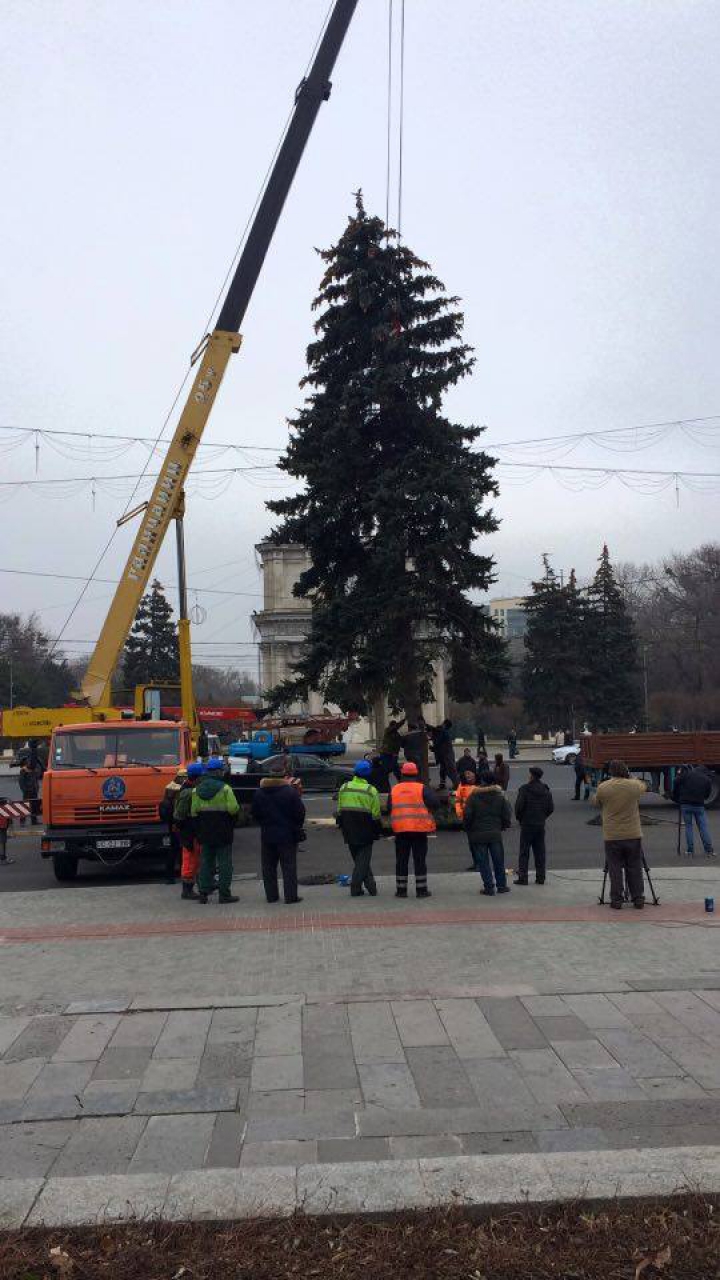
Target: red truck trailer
{"type": "Point", "coordinates": [657, 754]}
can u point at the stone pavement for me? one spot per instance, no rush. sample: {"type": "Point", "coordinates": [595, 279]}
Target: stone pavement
{"type": "Point", "coordinates": [208, 1062]}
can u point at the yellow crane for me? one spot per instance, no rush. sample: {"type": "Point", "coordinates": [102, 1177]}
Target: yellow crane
{"type": "Point", "coordinates": [167, 500]}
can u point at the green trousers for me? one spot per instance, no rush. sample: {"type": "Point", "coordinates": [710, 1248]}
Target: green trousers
{"type": "Point", "coordinates": [216, 857]}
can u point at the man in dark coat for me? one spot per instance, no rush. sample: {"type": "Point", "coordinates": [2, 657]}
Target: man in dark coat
{"type": "Point", "coordinates": [443, 750]}
{"type": "Point", "coordinates": [487, 814]}
{"type": "Point", "coordinates": [414, 745]}
{"type": "Point", "coordinates": [466, 764]}
{"type": "Point", "coordinates": [390, 748]}
{"type": "Point", "coordinates": [581, 778]}
{"type": "Point", "coordinates": [501, 772]}
{"type": "Point", "coordinates": [691, 790]}
{"type": "Point", "coordinates": [281, 813]}
{"type": "Point", "coordinates": [29, 781]}
{"type": "Point", "coordinates": [533, 807]}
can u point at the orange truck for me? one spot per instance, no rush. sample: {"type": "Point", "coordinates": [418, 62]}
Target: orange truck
{"type": "Point", "coordinates": [102, 791]}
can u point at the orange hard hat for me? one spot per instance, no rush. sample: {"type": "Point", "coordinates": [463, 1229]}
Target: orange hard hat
{"type": "Point", "coordinates": [409, 769]}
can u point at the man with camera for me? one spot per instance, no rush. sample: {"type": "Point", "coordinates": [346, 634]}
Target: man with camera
{"type": "Point", "coordinates": [619, 801]}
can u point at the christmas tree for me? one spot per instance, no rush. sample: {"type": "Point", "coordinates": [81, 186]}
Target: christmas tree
{"type": "Point", "coordinates": [151, 650]}
{"type": "Point", "coordinates": [393, 494]}
{"type": "Point", "coordinates": [611, 654]}
{"type": "Point", "coordinates": [553, 674]}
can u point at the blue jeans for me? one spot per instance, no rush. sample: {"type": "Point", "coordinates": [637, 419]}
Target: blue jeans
{"type": "Point", "coordinates": [489, 857]}
{"type": "Point", "coordinates": [696, 811]}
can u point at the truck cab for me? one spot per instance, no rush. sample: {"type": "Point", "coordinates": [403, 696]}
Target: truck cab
{"type": "Point", "coordinates": [103, 788]}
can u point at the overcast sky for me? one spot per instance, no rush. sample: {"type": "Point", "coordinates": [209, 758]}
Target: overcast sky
{"type": "Point", "coordinates": [561, 175]}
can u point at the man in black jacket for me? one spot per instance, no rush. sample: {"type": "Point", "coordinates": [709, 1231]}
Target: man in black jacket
{"type": "Point", "coordinates": [533, 807]}
{"type": "Point", "coordinates": [692, 788]}
{"type": "Point", "coordinates": [281, 813]}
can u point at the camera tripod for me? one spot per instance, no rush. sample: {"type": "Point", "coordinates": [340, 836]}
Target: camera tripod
{"type": "Point", "coordinates": [626, 895]}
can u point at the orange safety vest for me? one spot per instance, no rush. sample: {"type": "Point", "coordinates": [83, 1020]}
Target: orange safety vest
{"type": "Point", "coordinates": [408, 809]}
{"type": "Point", "coordinates": [462, 794]}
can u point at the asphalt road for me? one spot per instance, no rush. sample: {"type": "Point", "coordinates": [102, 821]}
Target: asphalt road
{"type": "Point", "coordinates": [572, 842]}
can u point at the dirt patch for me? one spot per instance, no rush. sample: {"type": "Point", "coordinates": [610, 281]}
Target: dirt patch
{"type": "Point", "coordinates": [676, 1240]}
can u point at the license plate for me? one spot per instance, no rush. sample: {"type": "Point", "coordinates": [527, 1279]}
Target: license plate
{"type": "Point", "coordinates": [114, 844]}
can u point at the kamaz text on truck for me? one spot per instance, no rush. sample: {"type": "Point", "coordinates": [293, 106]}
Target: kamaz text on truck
{"type": "Point", "coordinates": [102, 791]}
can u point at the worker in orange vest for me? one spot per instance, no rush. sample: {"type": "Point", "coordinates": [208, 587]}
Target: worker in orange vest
{"type": "Point", "coordinates": [410, 805]}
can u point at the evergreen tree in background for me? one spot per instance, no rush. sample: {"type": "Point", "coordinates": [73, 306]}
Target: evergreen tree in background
{"type": "Point", "coordinates": [393, 494]}
{"type": "Point", "coordinates": [611, 654]}
{"type": "Point", "coordinates": [553, 673]}
{"type": "Point", "coordinates": [30, 674]}
{"type": "Point", "coordinates": [151, 650]}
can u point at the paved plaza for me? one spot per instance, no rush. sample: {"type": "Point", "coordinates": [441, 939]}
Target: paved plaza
{"type": "Point", "coordinates": [159, 1057]}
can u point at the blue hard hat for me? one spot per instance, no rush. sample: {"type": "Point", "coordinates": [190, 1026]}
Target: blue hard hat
{"type": "Point", "coordinates": [214, 764]}
{"type": "Point", "coordinates": [363, 769]}
{"type": "Point", "coordinates": [195, 769]}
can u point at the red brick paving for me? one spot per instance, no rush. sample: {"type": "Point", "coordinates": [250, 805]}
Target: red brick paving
{"type": "Point", "coordinates": [289, 921]}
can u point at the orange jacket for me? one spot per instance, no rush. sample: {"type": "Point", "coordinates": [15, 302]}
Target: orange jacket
{"type": "Point", "coordinates": [461, 795]}
{"type": "Point", "coordinates": [408, 811]}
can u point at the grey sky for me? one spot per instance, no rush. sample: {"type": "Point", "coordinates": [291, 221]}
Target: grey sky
{"type": "Point", "coordinates": [561, 174]}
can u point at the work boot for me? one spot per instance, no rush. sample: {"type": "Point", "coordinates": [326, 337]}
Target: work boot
{"type": "Point", "coordinates": [489, 893]}
{"type": "Point", "coordinates": [519, 881]}
{"type": "Point", "coordinates": [505, 889]}
{"type": "Point", "coordinates": [292, 902]}
{"type": "Point", "coordinates": [538, 880]}
{"type": "Point", "coordinates": [202, 897]}
{"type": "Point", "coordinates": [401, 893]}
{"type": "Point", "coordinates": [423, 893]}
{"type": "Point", "coordinates": [228, 897]}
{"type": "Point", "coordinates": [188, 890]}
{"type": "Point", "coordinates": [616, 906]}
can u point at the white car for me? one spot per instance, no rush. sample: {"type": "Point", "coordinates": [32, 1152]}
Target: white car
{"type": "Point", "coordinates": [566, 755]}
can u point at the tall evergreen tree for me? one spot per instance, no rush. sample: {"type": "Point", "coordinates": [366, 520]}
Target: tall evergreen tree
{"type": "Point", "coordinates": [553, 674]}
{"type": "Point", "coordinates": [611, 653]}
{"type": "Point", "coordinates": [394, 496]}
{"type": "Point", "coordinates": [151, 649]}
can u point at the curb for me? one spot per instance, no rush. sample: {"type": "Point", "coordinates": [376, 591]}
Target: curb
{"type": "Point", "coordinates": [360, 1188]}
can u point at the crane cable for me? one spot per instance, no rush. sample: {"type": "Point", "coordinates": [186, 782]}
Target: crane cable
{"type": "Point", "coordinates": [88, 581]}
{"type": "Point", "coordinates": [389, 113]}
{"type": "Point", "coordinates": [402, 115]}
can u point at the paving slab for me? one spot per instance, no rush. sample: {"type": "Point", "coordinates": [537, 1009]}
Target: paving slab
{"type": "Point", "coordinates": [100, 1146]}
{"type": "Point", "coordinates": [512, 1024]}
{"type": "Point", "coordinates": [30, 1150]}
{"type": "Point", "coordinates": [596, 1011]}
{"type": "Point", "coordinates": [440, 1077]}
{"type": "Point", "coordinates": [374, 1033]}
{"type": "Point", "coordinates": [692, 1012]}
{"type": "Point", "coordinates": [184, 1034]}
{"type": "Point", "coordinates": [697, 1057]}
{"type": "Point", "coordinates": [122, 1063]}
{"type": "Point", "coordinates": [469, 1030]}
{"type": "Point", "coordinates": [16, 1078]}
{"type": "Point", "coordinates": [282, 1102]}
{"type": "Point", "coordinates": [88, 1038]}
{"type": "Point", "coordinates": [583, 1053]}
{"type": "Point", "coordinates": [573, 1140]}
{"type": "Point", "coordinates": [388, 1084]}
{"type": "Point", "coordinates": [97, 1006]}
{"type": "Point", "coordinates": [493, 1144]}
{"type": "Point", "coordinates": [39, 1037]}
{"type": "Point", "coordinates": [347, 1150]}
{"type": "Point", "coordinates": [279, 1031]}
{"type": "Point", "coordinates": [291, 1151]}
{"type": "Point", "coordinates": [164, 1075]}
{"type": "Point", "coordinates": [282, 1072]}
{"type": "Point", "coordinates": [138, 1031]}
{"type": "Point", "coordinates": [224, 1062]}
{"type": "Point", "coordinates": [624, 1115]}
{"type": "Point", "coordinates": [611, 1084]}
{"type": "Point", "coordinates": [233, 1026]}
{"type": "Point", "coordinates": [314, 1124]}
{"type": "Point", "coordinates": [425, 1145]}
{"type": "Point", "coordinates": [219, 1097]}
{"type": "Point", "coordinates": [226, 1142]}
{"type": "Point", "coordinates": [173, 1142]}
{"type": "Point", "coordinates": [418, 1024]}
{"type": "Point", "coordinates": [546, 1076]}
{"type": "Point", "coordinates": [567, 1027]}
{"type": "Point", "coordinates": [329, 1062]}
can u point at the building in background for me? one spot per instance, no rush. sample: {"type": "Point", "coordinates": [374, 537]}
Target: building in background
{"type": "Point", "coordinates": [510, 615]}
{"type": "Point", "coordinates": [283, 625]}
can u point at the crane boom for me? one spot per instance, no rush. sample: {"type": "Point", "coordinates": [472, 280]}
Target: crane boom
{"type": "Point", "coordinates": [221, 344]}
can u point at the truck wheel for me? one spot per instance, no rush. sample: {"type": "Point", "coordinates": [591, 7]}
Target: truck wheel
{"type": "Point", "coordinates": [65, 866]}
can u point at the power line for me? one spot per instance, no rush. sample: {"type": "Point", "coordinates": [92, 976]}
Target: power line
{"type": "Point", "coordinates": [114, 582]}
